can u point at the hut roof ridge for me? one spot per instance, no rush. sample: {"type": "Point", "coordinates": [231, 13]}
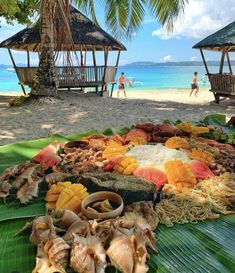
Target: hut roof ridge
{"type": "Point", "coordinates": [84, 32]}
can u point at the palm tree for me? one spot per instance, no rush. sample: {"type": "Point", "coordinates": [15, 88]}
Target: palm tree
{"type": "Point", "coordinates": [123, 17]}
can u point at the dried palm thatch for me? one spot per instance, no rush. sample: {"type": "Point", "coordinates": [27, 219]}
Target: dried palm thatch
{"type": "Point", "coordinates": [86, 36]}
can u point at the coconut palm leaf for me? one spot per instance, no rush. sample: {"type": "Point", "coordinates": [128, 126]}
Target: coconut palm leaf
{"type": "Point", "coordinates": [124, 17]}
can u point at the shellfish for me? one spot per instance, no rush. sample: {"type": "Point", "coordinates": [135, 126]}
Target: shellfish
{"type": "Point", "coordinates": [58, 252]}
{"type": "Point", "coordinates": [121, 253]}
{"type": "Point", "coordinates": [88, 255]}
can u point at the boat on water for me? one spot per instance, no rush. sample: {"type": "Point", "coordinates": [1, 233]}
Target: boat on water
{"type": "Point", "coordinates": [132, 82]}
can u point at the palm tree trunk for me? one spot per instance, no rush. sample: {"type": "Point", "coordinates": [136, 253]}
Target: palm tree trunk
{"type": "Point", "coordinates": [46, 82]}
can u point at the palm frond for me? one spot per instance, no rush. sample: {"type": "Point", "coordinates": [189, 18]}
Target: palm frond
{"type": "Point", "coordinates": [167, 11]}
{"type": "Point", "coordinates": [88, 7]}
{"type": "Point", "coordinates": [136, 15]}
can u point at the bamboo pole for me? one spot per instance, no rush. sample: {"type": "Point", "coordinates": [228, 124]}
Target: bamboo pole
{"type": "Point", "coordinates": [222, 63]}
{"type": "Point", "coordinates": [229, 63]}
{"type": "Point", "coordinates": [14, 64]}
{"type": "Point", "coordinates": [116, 66]}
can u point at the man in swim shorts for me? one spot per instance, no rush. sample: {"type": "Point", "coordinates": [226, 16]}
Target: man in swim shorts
{"type": "Point", "coordinates": [121, 84]}
{"type": "Point", "coordinates": [194, 85]}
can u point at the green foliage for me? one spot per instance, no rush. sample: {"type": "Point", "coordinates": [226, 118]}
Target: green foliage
{"type": "Point", "coordinates": [124, 17]}
{"type": "Point", "coordinates": [20, 11]}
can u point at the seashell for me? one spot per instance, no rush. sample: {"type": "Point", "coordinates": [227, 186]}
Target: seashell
{"type": "Point", "coordinates": [65, 217]}
{"type": "Point", "coordinates": [121, 254]}
{"type": "Point", "coordinates": [146, 210]}
{"type": "Point", "coordinates": [88, 255]}
{"type": "Point", "coordinates": [15, 170]}
{"type": "Point", "coordinates": [58, 252]}
{"type": "Point", "coordinates": [28, 191]}
{"type": "Point", "coordinates": [4, 189]}
{"type": "Point", "coordinates": [42, 227]}
{"type": "Point", "coordinates": [103, 230]}
{"type": "Point", "coordinates": [27, 176]}
{"type": "Point", "coordinates": [140, 252]}
{"type": "Point", "coordinates": [53, 178]}
{"type": "Point", "coordinates": [77, 228]}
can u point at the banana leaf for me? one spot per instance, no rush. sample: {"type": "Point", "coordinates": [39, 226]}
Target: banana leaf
{"type": "Point", "coordinates": [15, 210]}
{"type": "Point", "coordinates": [219, 120]}
{"type": "Point", "coordinates": [24, 150]}
{"type": "Point", "coordinates": [206, 247]}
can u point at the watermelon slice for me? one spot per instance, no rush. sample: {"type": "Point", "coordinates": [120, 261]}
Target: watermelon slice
{"type": "Point", "coordinates": [136, 133]}
{"type": "Point", "coordinates": [201, 170]}
{"type": "Point", "coordinates": [152, 174]}
{"type": "Point", "coordinates": [48, 155]}
{"type": "Point", "coordinates": [50, 161]}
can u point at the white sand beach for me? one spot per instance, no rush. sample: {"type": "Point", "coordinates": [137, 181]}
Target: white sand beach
{"type": "Point", "coordinates": [77, 112]}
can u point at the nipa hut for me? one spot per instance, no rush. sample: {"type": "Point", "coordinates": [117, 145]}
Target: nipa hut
{"type": "Point", "coordinates": [222, 84]}
{"type": "Point", "coordinates": [87, 37]}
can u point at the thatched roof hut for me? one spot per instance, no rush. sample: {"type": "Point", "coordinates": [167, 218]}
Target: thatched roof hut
{"type": "Point", "coordinates": [220, 40]}
{"type": "Point", "coordinates": [223, 40]}
{"type": "Point", "coordinates": [86, 35]}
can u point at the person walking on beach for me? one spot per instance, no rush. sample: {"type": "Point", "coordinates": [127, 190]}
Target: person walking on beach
{"type": "Point", "coordinates": [194, 85]}
{"type": "Point", "coordinates": [121, 84]}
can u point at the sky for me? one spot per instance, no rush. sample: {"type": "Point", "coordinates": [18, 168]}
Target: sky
{"type": "Point", "coordinates": [151, 42]}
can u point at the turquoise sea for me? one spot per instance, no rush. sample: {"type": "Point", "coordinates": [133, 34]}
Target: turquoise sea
{"type": "Point", "coordinates": [143, 78]}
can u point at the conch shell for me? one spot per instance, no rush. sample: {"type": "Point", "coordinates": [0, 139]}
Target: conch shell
{"type": "Point", "coordinates": [43, 264]}
{"type": "Point", "coordinates": [88, 255]}
{"type": "Point", "coordinates": [121, 253]}
{"type": "Point", "coordinates": [42, 228]}
{"type": "Point", "coordinates": [58, 252]}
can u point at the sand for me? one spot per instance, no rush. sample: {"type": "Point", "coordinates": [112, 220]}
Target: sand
{"type": "Point", "coordinates": [77, 112]}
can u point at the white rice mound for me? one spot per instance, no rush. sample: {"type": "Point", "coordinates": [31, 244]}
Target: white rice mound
{"type": "Point", "coordinates": [156, 155]}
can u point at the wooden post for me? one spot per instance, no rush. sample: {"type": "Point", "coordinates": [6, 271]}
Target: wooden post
{"type": "Point", "coordinates": [106, 53]}
{"type": "Point", "coordinates": [229, 63]}
{"type": "Point", "coordinates": [85, 55]}
{"type": "Point", "coordinates": [222, 63]}
{"type": "Point", "coordinates": [205, 64]}
{"type": "Point", "coordinates": [95, 68]}
{"type": "Point", "coordinates": [14, 64]}
{"type": "Point", "coordinates": [116, 67]}
{"type": "Point", "coordinates": [28, 58]}
{"type": "Point", "coordinates": [81, 55]}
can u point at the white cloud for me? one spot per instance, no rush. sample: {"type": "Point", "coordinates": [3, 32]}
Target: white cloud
{"type": "Point", "coordinates": [166, 58]}
{"type": "Point", "coordinates": [201, 18]}
{"type": "Point", "coordinates": [194, 58]}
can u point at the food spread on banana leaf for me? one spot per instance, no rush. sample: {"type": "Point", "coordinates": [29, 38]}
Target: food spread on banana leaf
{"type": "Point", "coordinates": [165, 174]}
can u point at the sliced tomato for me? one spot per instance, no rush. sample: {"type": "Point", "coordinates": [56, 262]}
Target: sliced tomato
{"type": "Point", "coordinates": [152, 174]}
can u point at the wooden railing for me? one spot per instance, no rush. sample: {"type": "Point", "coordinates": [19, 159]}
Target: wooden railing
{"type": "Point", "coordinates": [73, 76]}
{"type": "Point", "coordinates": [222, 83]}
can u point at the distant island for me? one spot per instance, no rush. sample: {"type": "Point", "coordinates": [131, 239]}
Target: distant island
{"type": "Point", "coordinates": [182, 63]}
